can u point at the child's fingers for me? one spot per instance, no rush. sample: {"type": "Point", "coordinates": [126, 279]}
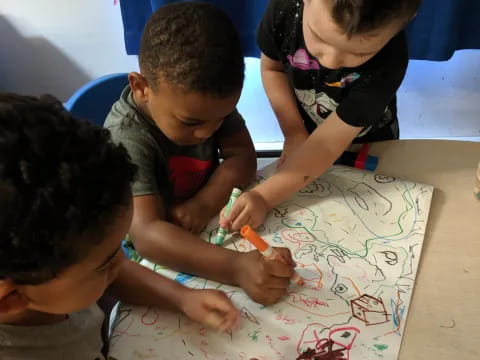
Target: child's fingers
{"type": "Point", "coordinates": [6, 287]}
{"type": "Point", "coordinates": [222, 214]}
{"type": "Point", "coordinates": [230, 321]}
{"type": "Point", "coordinates": [286, 255]}
{"type": "Point", "coordinates": [213, 319]}
{"type": "Point", "coordinates": [220, 301]}
{"type": "Point", "coordinates": [274, 296]}
{"type": "Point", "coordinates": [242, 219]}
{"type": "Point", "coordinates": [275, 282]}
{"type": "Point", "coordinates": [13, 302]}
{"type": "Point", "coordinates": [279, 269]}
{"type": "Point", "coordinates": [222, 313]}
{"type": "Point", "coordinates": [235, 211]}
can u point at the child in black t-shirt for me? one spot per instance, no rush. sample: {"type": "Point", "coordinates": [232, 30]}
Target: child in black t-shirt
{"type": "Point", "coordinates": [330, 70]}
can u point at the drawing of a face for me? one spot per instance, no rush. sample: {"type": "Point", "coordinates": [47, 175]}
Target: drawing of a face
{"type": "Point", "coordinates": [318, 106]}
{"type": "Point", "coordinates": [354, 275]}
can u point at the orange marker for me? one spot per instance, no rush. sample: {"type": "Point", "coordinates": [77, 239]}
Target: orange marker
{"type": "Point", "coordinates": [266, 250]}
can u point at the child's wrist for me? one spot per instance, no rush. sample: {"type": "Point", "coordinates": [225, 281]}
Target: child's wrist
{"type": "Point", "coordinates": [206, 205]}
{"type": "Point", "coordinates": [184, 298]}
{"type": "Point", "coordinates": [237, 268]}
{"type": "Point", "coordinates": [267, 203]}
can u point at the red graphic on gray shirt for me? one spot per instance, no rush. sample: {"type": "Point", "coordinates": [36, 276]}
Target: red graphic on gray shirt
{"type": "Point", "coordinates": [188, 175]}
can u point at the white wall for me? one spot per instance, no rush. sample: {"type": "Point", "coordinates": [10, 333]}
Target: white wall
{"type": "Point", "coordinates": [55, 46]}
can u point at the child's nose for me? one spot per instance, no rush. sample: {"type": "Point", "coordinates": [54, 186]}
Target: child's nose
{"type": "Point", "coordinates": [207, 130]}
{"type": "Point", "coordinates": [204, 133]}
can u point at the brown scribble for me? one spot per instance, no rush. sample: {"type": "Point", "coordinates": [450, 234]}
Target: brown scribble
{"type": "Point", "coordinates": [369, 309]}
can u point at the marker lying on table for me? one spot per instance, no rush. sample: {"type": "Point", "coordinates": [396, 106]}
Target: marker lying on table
{"type": "Point", "coordinates": [360, 160]}
{"type": "Point", "coordinates": [221, 231]}
{"type": "Point", "coordinates": [266, 250]}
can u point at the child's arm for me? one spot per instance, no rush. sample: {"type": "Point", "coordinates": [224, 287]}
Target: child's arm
{"type": "Point", "coordinates": [236, 170]}
{"type": "Point", "coordinates": [164, 243]}
{"type": "Point", "coordinates": [283, 103]}
{"type": "Point", "coordinates": [307, 163]}
{"type": "Point", "coordinates": [137, 285]}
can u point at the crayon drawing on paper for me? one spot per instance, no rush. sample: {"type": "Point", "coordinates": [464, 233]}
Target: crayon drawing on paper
{"type": "Point", "coordinates": [357, 239]}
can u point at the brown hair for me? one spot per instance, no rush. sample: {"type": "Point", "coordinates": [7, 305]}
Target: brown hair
{"type": "Point", "coordinates": [361, 16]}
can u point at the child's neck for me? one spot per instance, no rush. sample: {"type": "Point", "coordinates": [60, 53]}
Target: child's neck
{"type": "Point", "coordinates": [31, 318]}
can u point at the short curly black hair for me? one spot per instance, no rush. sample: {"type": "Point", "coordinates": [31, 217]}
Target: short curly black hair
{"type": "Point", "coordinates": [60, 178]}
{"type": "Point", "coordinates": [195, 46]}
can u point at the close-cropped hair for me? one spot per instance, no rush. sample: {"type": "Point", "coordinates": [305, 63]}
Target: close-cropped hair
{"type": "Point", "coordinates": [62, 182]}
{"type": "Point", "coordinates": [361, 16]}
{"type": "Point", "coordinates": [195, 46]}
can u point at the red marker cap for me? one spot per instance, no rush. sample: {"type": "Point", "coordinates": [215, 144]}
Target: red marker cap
{"type": "Point", "coordinates": [248, 233]}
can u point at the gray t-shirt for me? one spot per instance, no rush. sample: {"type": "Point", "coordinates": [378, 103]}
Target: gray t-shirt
{"type": "Point", "coordinates": [165, 168]}
{"type": "Point", "coordinates": [76, 338]}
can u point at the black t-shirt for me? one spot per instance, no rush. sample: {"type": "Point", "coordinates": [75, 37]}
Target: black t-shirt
{"type": "Point", "coordinates": [363, 96]}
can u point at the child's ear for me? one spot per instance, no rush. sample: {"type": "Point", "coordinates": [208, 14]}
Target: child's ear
{"type": "Point", "coordinates": [11, 300]}
{"type": "Point", "coordinates": [139, 86]}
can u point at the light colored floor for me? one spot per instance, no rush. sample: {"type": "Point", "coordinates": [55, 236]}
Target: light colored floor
{"type": "Point", "coordinates": [438, 100]}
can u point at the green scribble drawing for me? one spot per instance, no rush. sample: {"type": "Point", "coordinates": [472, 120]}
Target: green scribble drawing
{"type": "Point", "coordinates": [364, 237]}
{"type": "Point", "coordinates": [380, 347]}
{"type": "Point", "coordinates": [254, 335]}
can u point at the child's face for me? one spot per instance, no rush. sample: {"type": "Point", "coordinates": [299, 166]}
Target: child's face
{"type": "Point", "coordinates": [186, 118]}
{"type": "Point", "coordinates": [331, 47]}
{"type": "Point", "coordinates": [82, 284]}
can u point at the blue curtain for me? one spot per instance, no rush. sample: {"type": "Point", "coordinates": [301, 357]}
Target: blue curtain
{"type": "Point", "coordinates": [440, 28]}
{"type": "Point", "coordinates": [443, 26]}
{"type": "Point", "coordinates": [245, 14]}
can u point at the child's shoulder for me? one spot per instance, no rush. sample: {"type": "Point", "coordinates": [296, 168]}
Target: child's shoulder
{"type": "Point", "coordinates": [77, 337]}
{"type": "Point", "coordinates": [123, 112]}
{"type": "Point", "coordinates": [126, 123]}
{"type": "Point", "coordinates": [393, 54]}
{"type": "Point", "coordinates": [280, 30]}
{"type": "Point", "coordinates": [284, 12]}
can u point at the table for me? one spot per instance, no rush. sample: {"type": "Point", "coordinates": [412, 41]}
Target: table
{"type": "Point", "coordinates": [444, 315]}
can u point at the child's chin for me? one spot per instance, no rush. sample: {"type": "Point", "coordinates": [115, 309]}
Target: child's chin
{"type": "Point", "coordinates": [189, 142]}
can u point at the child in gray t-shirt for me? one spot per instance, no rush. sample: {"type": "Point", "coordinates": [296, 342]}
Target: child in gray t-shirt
{"type": "Point", "coordinates": [65, 205]}
{"type": "Point", "coordinates": [176, 118]}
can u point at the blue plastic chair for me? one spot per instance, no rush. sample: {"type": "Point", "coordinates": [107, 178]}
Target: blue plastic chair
{"type": "Point", "coordinates": [94, 100]}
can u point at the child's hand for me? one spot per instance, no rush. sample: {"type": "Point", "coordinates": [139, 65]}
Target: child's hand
{"type": "Point", "coordinates": [211, 308]}
{"type": "Point", "coordinates": [291, 143]}
{"type": "Point", "coordinates": [249, 209]}
{"type": "Point", "coordinates": [191, 215]}
{"type": "Point", "coordinates": [265, 281]}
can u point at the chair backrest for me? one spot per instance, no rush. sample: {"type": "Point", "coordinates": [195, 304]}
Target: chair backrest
{"type": "Point", "coordinates": [94, 100]}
